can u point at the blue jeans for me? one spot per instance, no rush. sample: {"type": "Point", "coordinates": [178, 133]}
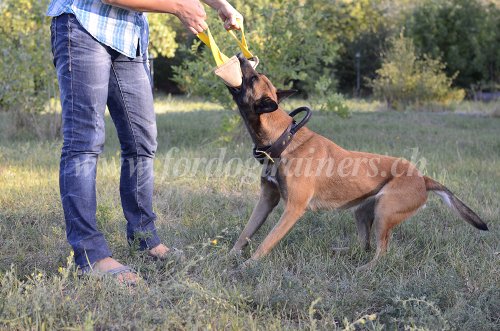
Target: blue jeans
{"type": "Point", "coordinates": [92, 75]}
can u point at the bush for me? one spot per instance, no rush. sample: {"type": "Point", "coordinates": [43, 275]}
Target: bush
{"type": "Point", "coordinates": [326, 100]}
{"type": "Point", "coordinates": [405, 79]}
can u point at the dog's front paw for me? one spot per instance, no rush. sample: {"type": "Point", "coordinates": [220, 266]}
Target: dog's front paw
{"type": "Point", "coordinates": [234, 274]}
{"type": "Point", "coordinates": [366, 267]}
{"type": "Point", "coordinates": [235, 252]}
{"type": "Point", "coordinates": [248, 264]}
{"type": "Point", "coordinates": [242, 270]}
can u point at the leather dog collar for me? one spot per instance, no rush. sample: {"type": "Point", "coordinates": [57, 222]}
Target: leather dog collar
{"type": "Point", "coordinates": [273, 151]}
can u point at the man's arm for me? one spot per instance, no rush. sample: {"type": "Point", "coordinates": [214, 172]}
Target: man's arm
{"type": "Point", "coordinates": [190, 12]}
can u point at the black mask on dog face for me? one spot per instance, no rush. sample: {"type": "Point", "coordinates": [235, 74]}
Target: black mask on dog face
{"type": "Point", "coordinates": [256, 93]}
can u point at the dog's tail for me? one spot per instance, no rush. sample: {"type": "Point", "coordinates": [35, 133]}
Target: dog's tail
{"type": "Point", "coordinates": [455, 203]}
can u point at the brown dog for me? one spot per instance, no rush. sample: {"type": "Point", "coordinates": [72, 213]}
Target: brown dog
{"type": "Point", "coordinates": [313, 172]}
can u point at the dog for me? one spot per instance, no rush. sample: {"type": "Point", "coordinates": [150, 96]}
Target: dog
{"type": "Point", "coordinates": [313, 172]}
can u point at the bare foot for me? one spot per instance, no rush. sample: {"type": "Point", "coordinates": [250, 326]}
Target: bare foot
{"type": "Point", "coordinates": [159, 252]}
{"type": "Point", "coordinates": [109, 263]}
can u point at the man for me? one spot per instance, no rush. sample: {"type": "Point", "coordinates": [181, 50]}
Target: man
{"type": "Point", "coordinates": [100, 55]}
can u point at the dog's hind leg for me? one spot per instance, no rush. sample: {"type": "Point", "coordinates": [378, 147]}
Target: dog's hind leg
{"type": "Point", "coordinates": [383, 227]}
{"type": "Point", "coordinates": [399, 199]}
{"type": "Point", "coordinates": [364, 215]}
{"type": "Point", "coordinates": [269, 198]}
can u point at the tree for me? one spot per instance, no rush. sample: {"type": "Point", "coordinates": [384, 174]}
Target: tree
{"type": "Point", "coordinates": [464, 33]}
{"type": "Point", "coordinates": [407, 79]}
{"type": "Point", "coordinates": [362, 28]}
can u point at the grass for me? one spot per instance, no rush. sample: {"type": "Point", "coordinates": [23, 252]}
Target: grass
{"type": "Point", "coordinates": [440, 273]}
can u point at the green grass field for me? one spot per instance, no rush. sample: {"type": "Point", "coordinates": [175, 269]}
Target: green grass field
{"type": "Point", "coordinates": [439, 274]}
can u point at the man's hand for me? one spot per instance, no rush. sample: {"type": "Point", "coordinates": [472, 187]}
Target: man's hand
{"type": "Point", "coordinates": [192, 15]}
{"type": "Point", "coordinates": [227, 13]}
{"type": "Point", "coordinates": [230, 16]}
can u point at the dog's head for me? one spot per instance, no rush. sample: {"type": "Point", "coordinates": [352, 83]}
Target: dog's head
{"type": "Point", "coordinates": [257, 95]}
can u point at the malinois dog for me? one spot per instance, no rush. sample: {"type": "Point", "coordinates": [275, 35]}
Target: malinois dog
{"type": "Point", "coordinates": [313, 172]}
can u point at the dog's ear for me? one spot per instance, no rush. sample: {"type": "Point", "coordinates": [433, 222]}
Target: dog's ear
{"type": "Point", "coordinates": [265, 105]}
{"type": "Point", "coordinates": [283, 94]}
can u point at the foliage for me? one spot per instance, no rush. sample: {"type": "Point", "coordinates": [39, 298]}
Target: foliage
{"type": "Point", "coordinates": [361, 27]}
{"type": "Point", "coordinates": [26, 71]}
{"type": "Point", "coordinates": [465, 34]}
{"type": "Point", "coordinates": [406, 79]}
{"type": "Point", "coordinates": [326, 100]}
{"type": "Point", "coordinates": [365, 26]}
{"type": "Point", "coordinates": [285, 35]}
{"type": "Point", "coordinates": [28, 81]}
{"type": "Point", "coordinates": [162, 30]}
{"type": "Point", "coordinates": [336, 104]}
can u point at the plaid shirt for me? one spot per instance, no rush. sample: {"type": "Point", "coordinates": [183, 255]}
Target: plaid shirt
{"type": "Point", "coordinates": [123, 30]}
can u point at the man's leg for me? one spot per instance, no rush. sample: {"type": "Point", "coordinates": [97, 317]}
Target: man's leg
{"type": "Point", "coordinates": [130, 103]}
{"type": "Point", "coordinates": [82, 66]}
